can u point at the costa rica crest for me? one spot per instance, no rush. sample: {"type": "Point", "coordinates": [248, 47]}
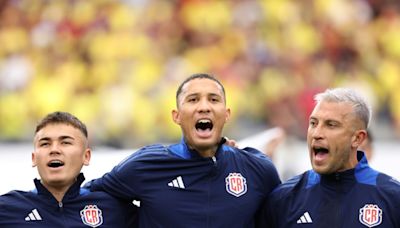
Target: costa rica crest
{"type": "Point", "coordinates": [370, 215]}
{"type": "Point", "coordinates": [91, 216]}
{"type": "Point", "coordinates": [236, 184]}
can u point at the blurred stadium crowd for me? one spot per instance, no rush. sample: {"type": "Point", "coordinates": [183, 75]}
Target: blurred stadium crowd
{"type": "Point", "coordinates": [117, 64]}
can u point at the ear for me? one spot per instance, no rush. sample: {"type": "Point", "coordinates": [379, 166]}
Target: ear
{"type": "Point", "coordinates": [176, 116]}
{"type": "Point", "coordinates": [227, 114]}
{"type": "Point", "coordinates": [87, 155]}
{"type": "Point", "coordinates": [34, 163]}
{"type": "Point", "coordinates": [359, 137]}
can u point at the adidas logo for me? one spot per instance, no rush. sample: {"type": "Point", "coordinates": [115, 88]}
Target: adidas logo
{"type": "Point", "coordinates": [177, 183]}
{"type": "Point", "coordinates": [305, 218]}
{"type": "Point", "coordinates": [33, 216]}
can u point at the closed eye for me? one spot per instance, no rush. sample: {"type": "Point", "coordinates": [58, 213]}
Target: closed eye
{"type": "Point", "coordinates": [215, 98]}
{"type": "Point", "coordinates": [332, 124]}
{"type": "Point", "coordinates": [44, 144]}
{"type": "Point", "coordinates": [191, 99]}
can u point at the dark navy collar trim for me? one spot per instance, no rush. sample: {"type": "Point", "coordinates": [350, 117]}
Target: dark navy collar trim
{"type": "Point", "coordinates": [182, 150]}
{"type": "Point", "coordinates": [363, 173]}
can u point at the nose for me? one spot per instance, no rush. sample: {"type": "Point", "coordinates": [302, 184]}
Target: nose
{"type": "Point", "coordinates": [55, 148]}
{"type": "Point", "coordinates": [204, 106]}
{"type": "Point", "coordinates": [316, 132]}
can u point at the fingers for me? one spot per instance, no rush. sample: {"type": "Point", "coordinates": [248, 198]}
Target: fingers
{"type": "Point", "coordinates": [230, 142]}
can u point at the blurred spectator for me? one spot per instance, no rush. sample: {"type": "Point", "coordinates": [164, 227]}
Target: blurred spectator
{"type": "Point", "coordinates": [112, 62]}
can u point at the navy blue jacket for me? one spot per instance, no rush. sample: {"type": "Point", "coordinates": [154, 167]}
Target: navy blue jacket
{"type": "Point", "coordinates": [179, 188]}
{"type": "Point", "coordinates": [360, 197]}
{"type": "Point", "coordinates": [79, 208]}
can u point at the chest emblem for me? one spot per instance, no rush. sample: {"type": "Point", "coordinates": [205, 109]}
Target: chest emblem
{"type": "Point", "coordinates": [370, 215]}
{"type": "Point", "coordinates": [91, 216]}
{"type": "Point", "coordinates": [236, 184]}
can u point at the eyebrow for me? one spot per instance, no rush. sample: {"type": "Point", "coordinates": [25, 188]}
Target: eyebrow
{"type": "Point", "coordinates": [60, 138]}
{"type": "Point", "coordinates": [325, 120]}
{"type": "Point", "coordinates": [215, 94]}
{"type": "Point", "coordinates": [190, 94]}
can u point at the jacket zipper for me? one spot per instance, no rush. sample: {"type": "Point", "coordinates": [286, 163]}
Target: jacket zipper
{"type": "Point", "coordinates": [213, 172]}
{"type": "Point", "coordinates": [61, 206]}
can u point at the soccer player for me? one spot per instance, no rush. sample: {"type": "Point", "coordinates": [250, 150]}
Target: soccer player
{"type": "Point", "coordinates": [198, 182]}
{"type": "Point", "coordinates": [60, 150]}
{"type": "Point", "coordinates": [341, 190]}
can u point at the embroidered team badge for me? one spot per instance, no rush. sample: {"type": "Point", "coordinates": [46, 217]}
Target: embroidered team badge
{"type": "Point", "coordinates": [370, 215]}
{"type": "Point", "coordinates": [92, 216]}
{"type": "Point", "coordinates": [236, 184]}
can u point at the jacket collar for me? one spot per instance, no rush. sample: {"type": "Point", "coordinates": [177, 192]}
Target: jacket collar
{"type": "Point", "coordinates": [362, 173]}
{"type": "Point", "coordinates": [182, 149]}
{"type": "Point", "coordinates": [73, 191]}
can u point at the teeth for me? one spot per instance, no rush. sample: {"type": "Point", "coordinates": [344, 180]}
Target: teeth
{"type": "Point", "coordinates": [317, 148]}
{"type": "Point", "coordinates": [56, 161]}
{"type": "Point", "coordinates": [204, 121]}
